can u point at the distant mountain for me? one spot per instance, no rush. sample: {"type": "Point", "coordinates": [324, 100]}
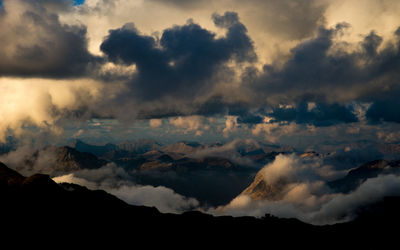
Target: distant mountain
{"type": "Point", "coordinates": [215, 163]}
{"type": "Point", "coordinates": [36, 207]}
{"type": "Point", "coordinates": [60, 160]}
{"type": "Point", "coordinates": [139, 146]}
{"type": "Point", "coordinates": [263, 158]}
{"type": "Point", "coordinates": [113, 152]}
{"type": "Point", "coordinates": [183, 148]}
{"type": "Point", "coordinates": [69, 159]}
{"type": "Point", "coordinates": [213, 180]}
{"type": "Point", "coordinates": [258, 152]}
{"type": "Point", "coordinates": [252, 147]}
{"type": "Point", "coordinates": [389, 149]}
{"type": "Point", "coordinates": [213, 174]}
{"type": "Point", "coordinates": [357, 176]}
{"type": "Point", "coordinates": [189, 164]}
{"type": "Point", "coordinates": [94, 149]}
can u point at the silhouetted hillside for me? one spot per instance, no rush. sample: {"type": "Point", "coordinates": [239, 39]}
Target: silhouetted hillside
{"type": "Point", "coordinates": [38, 206]}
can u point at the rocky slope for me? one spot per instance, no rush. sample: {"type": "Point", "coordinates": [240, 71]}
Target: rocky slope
{"type": "Point", "coordinates": [259, 189]}
{"type": "Point", "coordinates": [69, 159]}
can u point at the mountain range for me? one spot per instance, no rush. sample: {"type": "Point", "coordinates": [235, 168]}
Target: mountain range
{"type": "Point", "coordinates": [214, 174]}
{"type": "Point", "coordinates": [115, 151]}
{"type": "Point", "coordinates": [37, 206]}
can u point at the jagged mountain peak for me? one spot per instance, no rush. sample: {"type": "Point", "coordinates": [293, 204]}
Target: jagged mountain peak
{"type": "Point", "coordinates": [260, 189]}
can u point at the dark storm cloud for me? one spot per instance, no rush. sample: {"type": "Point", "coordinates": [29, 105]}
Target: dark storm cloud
{"type": "Point", "coordinates": [196, 55]}
{"type": "Point", "coordinates": [185, 62]}
{"type": "Point", "coordinates": [386, 64]}
{"type": "Point", "coordinates": [323, 72]}
{"type": "Point", "coordinates": [385, 108]}
{"type": "Point", "coordinates": [370, 44]}
{"type": "Point", "coordinates": [320, 115]}
{"type": "Point", "coordinates": [250, 118]}
{"type": "Point", "coordinates": [37, 44]}
{"type": "Point", "coordinates": [216, 105]}
{"type": "Point", "coordinates": [311, 67]}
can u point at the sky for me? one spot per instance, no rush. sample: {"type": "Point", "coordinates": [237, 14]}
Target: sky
{"type": "Point", "coordinates": [305, 73]}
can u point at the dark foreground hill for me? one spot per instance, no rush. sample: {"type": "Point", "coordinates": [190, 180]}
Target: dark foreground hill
{"type": "Point", "coordinates": [36, 207]}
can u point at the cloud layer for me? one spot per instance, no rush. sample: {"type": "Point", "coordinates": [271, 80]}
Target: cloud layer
{"type": "Point", "coordinates": [214, 65]}
{"type": "Point", "coordinates": [185, 62]}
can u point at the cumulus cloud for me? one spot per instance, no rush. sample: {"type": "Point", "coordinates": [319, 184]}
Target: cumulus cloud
{"type": "Point", "coordinates": [118, 182]}
{"type": "Point", "coordinates": [191, 124]}
{"type": "Point", "coordinates": [323, 70]}
{"type": "Point", "coordinates": [235, 151]}
{"type": "Point", "coordinates": [321, 81]}
{"type": "Point", "coordinates": [53, 49]}
{"type": "Point", "coordinates": [155, 123]}
{"type": "Point", "coordinates": [203, 67]}
{"type": "Point", "coordinates": [231, 125]}
{"type": "Point", "coordinates": [186, 62]}
{"type": "Point", "coordinates": [274, 131]}
{"type": "Point", "coordinates": [43, 103]}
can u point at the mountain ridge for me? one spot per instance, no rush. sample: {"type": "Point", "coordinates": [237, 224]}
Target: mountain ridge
{"type": "Point", "coordinates": [360, 174]}
{"type": "Point", "coordinates": [34, 202]}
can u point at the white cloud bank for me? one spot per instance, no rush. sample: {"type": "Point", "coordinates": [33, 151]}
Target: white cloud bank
{"type": "Point", "coordinates": [115, 181]}
{"type": "Point", "coordinates": [41, 103]}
